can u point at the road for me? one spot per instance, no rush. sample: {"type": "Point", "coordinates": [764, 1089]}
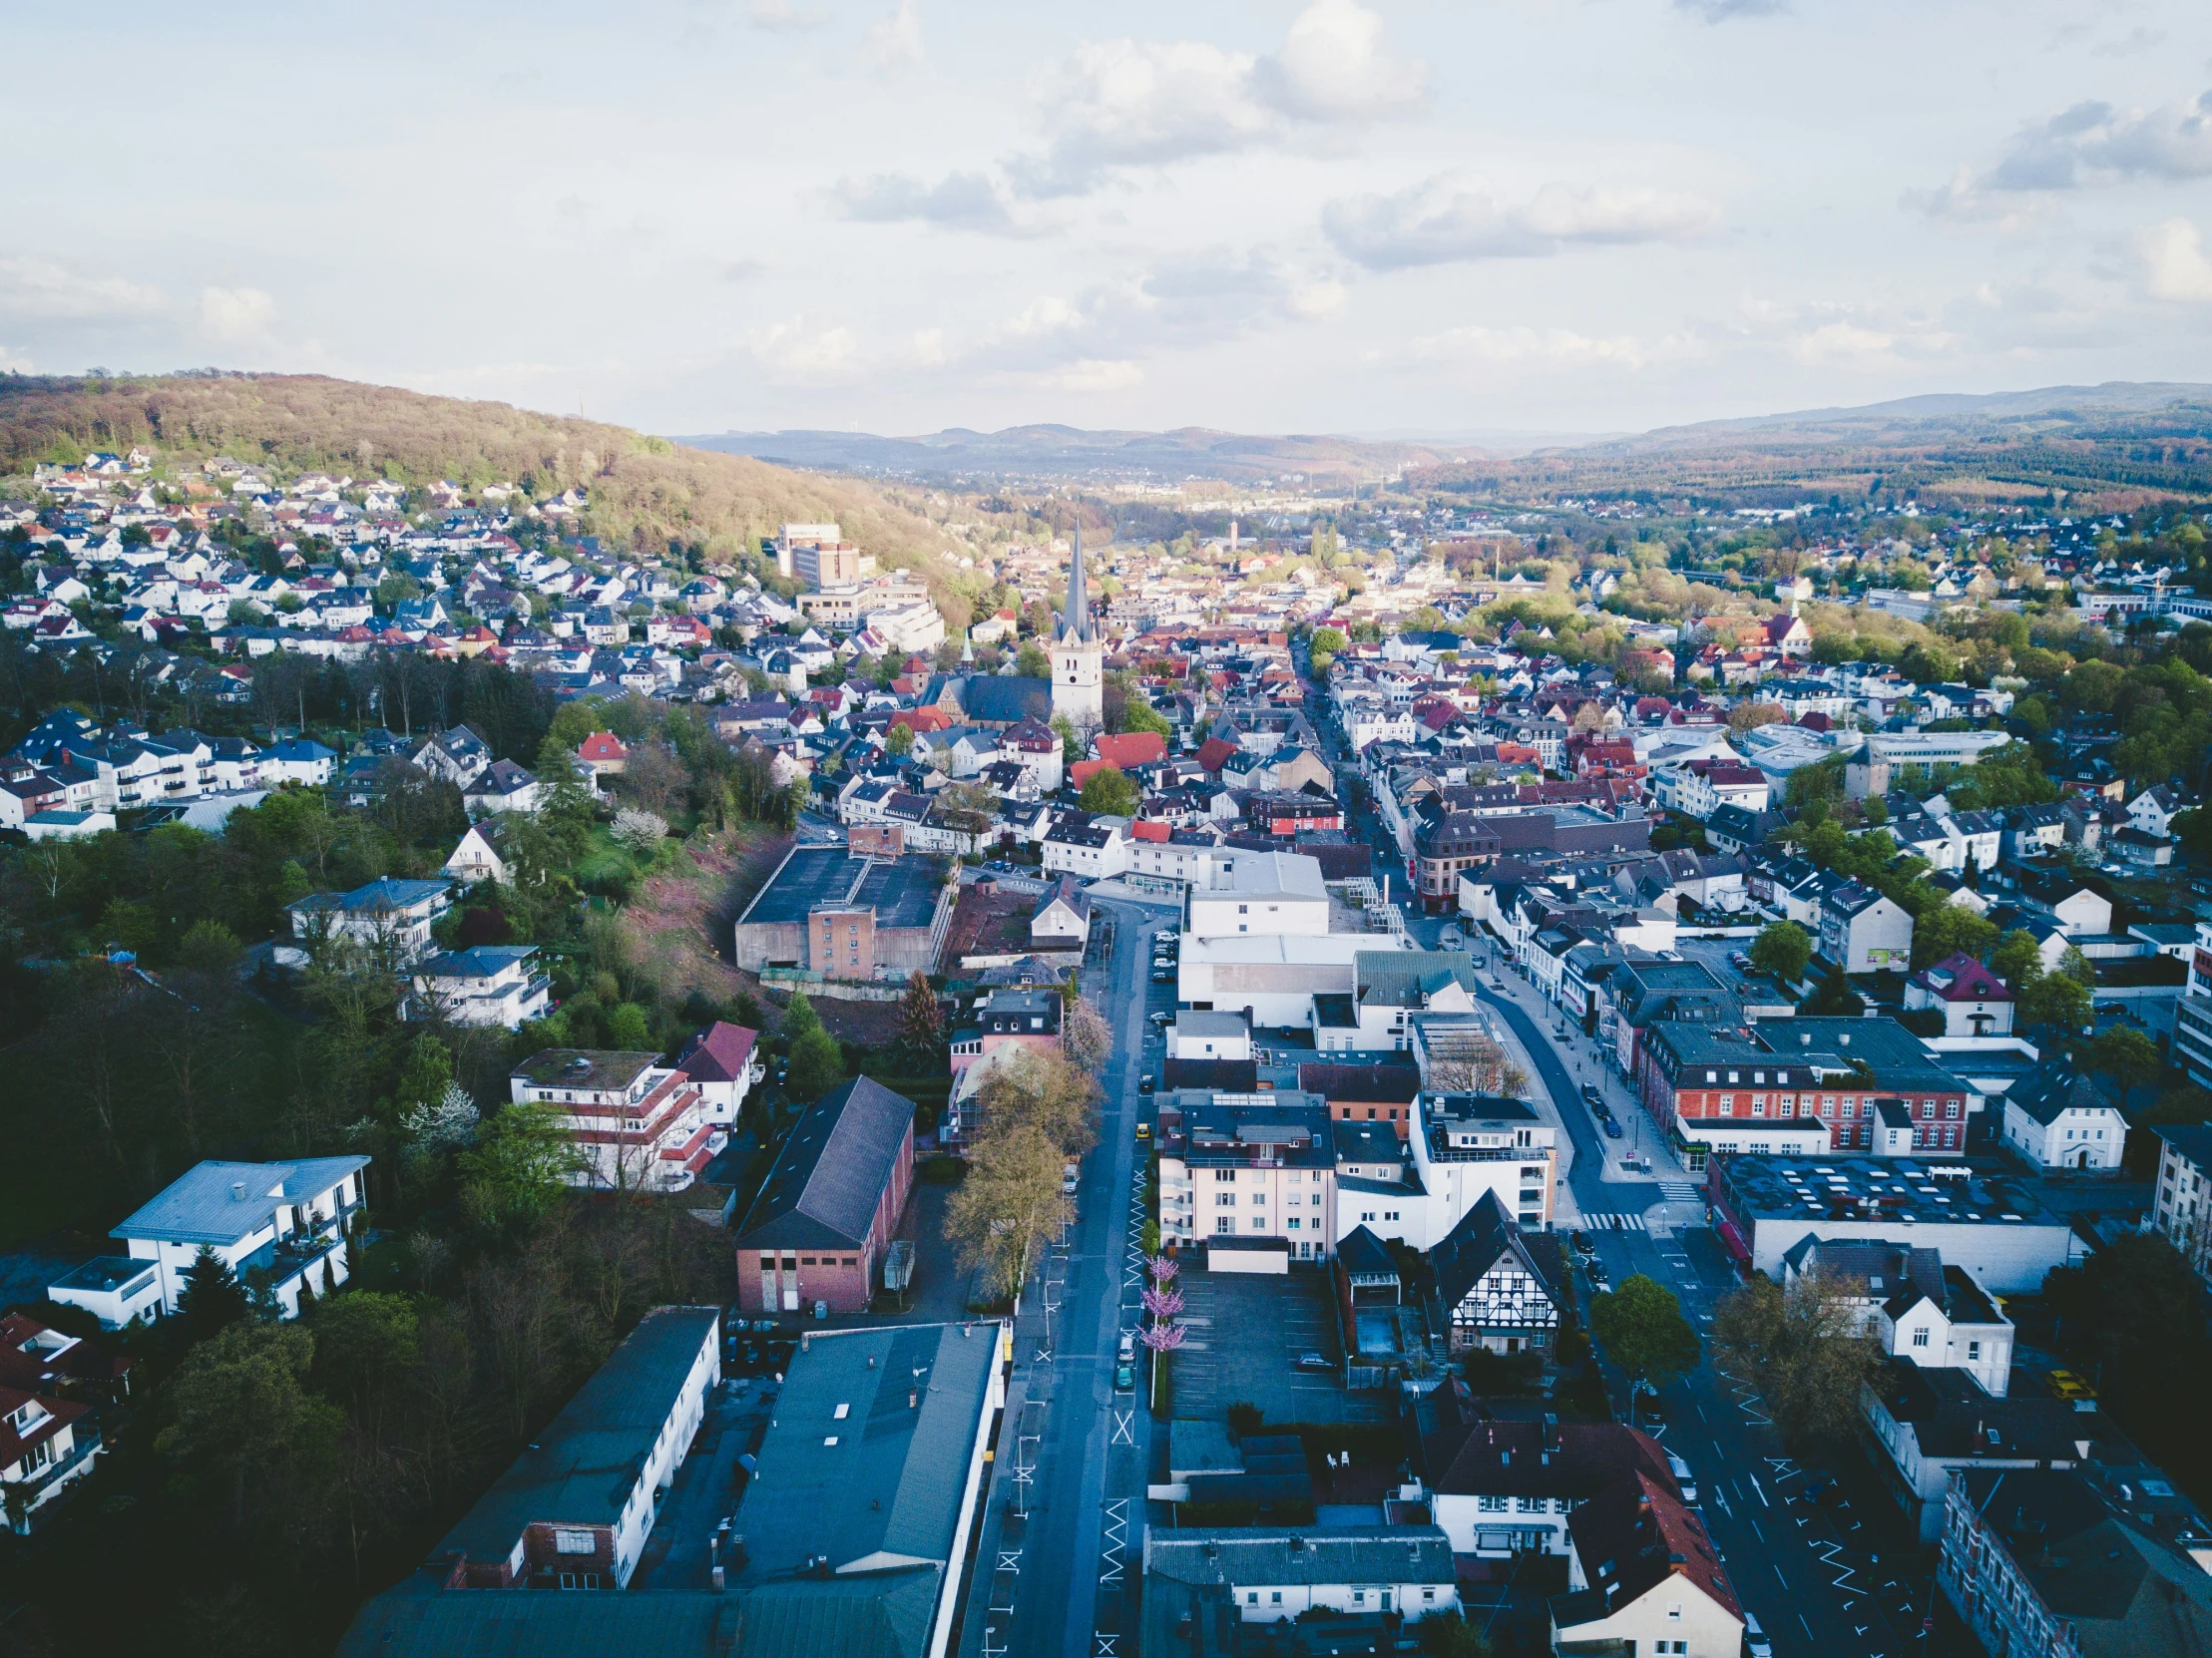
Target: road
{"type": "Point", "coordinates": [1086, 1448]}
{"type": "Point", "coordinates": [1839, 1579]}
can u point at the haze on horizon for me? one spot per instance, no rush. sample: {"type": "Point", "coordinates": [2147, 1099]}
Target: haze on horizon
{"type": "Point", "coordinates": [900, 216]}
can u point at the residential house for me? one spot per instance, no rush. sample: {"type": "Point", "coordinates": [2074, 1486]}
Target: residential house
{"type": "Point", "coordinates": [47, 1444]}
{"type": "Point", "coordinates": [1919, 1309]}
{"type": "Point", "coordinates": [2154, 809]}
{"type": "Point", "coordinates": [503, 787]}
{"type": "Point", "coordinates": [1062, 919]}
{"type": "Point", "coordinates": [1364, 1580]}
{"type": "Point", "coordinates": [1254, 1182]}
{"type": "Point", "coordinates": [2181, 1210]}
{"type": "Point", "coordinates": [1028, 1019]}
{"type": "Point", "coordinates": [722, 1065]}
{"type": "Point", "coordinates": [1974, 1001]}
{"type": "Point", "coordinates": [278, 1226]}
{"type": "Point", "coordinates": [2056, 1118]}
{"type": "Point", "coordinates": [477, 858]}
{"type": "Point", "coordinates": [1645, 1577]}
{"type": "Point", "coordinates": [825, 1217]}
{"type": "Point", "coordinates": [1374, 1092]}
{"type": "Point", "coordinates": [602, 755]}
{"type": "Point", "coordinates": [1389, 989]}
{"type": "Point", "coordinates": [633, 1124]}
{"type": "Point", "coordinates": [388, 916]}
{"type": "Point", "coordinates": [1862, 931]}
{"type": "Point", "coordinates": [485, 984]}
{"type": "Point", "coordinates": [1501, 1288]}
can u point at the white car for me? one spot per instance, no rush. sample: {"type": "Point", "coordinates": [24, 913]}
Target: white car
{"type": "Point", "coordinates": [1684, 1477]}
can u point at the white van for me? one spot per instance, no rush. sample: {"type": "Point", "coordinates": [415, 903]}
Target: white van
{"type": "Point", "coordinates": [1755, 1642]}
{"type": "Point", "coordinates": [1684, 1477]}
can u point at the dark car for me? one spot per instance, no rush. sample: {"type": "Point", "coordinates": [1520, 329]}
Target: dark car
{"type": "Point", "coordinates": [1613, 1127]}
{"type": "Point", "coordinates": [1596, 1270]}
{"type": "Point", "coordinates": [1146, 1085]}
{"type": "Point", "coordinates": [1591, 1097]}
{"type": "Point", "coordinates": [1579, 1242]}
{"type": "Point", "coordinates": [1124, 1378]}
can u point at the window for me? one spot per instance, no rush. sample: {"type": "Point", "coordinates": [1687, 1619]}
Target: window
{"type": "Point", "coordinates": [1224, 1223]}
{"type": "Point", "coordinates": [1259, 1223]}
{"type": "Point", "coordinates": [1950, 1109]}
{"type": "Point", "coordinates": [575, 1542]}
{"type": "Point", "coordinates": [1224, 1200]}
{"type": "Point", "coordinates": [1490, 1504]}
{"type": "Point", "coordinates": [1252, 1600]}
{"type": "Point", "coordinates": [1926, 1108]}
{"type": "Point", "coordinates": [1275, 1597]}
{"type": "Point", "coordinates": [1530, 1505]}
{"type": "Point", "coordinates": [1920, 1335]}
{"type": "Point", "coordinates": [1674, 1610]}
{"type": "Point", "coordinates": [1974, 1349]}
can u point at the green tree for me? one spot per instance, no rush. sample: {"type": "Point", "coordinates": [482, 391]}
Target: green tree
{"type": "Point", "coordinates": [242, 1420]}
{"type": "Point", "coordinates": [367, 1348]}
{"type": "Point", "coordinates": [1805, 1349]}
{"type": "Point", "coordinates": [899, 740]}
{"type": "Point", "coordinates": [514, 1172]}
{"type": "Point", "coordinates": [1784, 949]}
{"type": "Point", "coordinates": [817, 1065]}
{"type": "Point", "coordinates": [1112, 791]}
{"type": "Point", "coordinates": [921, 1023]}
{"type": "Point", "coordinates": [1031, 662]}
{"type": "Point", "coordinates": [2127, 1057]}
{"type": "Point", "coordinates": [1944, 929]}
{"type": "Point", "coordinates": [1141, 715]}
{"type": "Point", "coordinates": [799, 1017]}
{"type": "Point", "coordinates": [628, 1029]}
{"type": "Point", "coordinates": [212, 1298]}
{"type": "Point", "coordinates": [2018, 959]}
{"type": "Point", "coordinates": [2054, 1001]}
{"type": "Point", "coordinates": [1325, 646]}
{"type": "Point", "coordinates": [210, 948]}
{"type": "Point", "coordinates": [1641, 1327]}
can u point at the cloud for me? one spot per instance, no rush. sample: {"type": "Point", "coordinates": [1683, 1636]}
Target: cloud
{"type": "Point", "coordinates": [48, 291]}
{"type": "Point", "coordinates": [1556, 347]}
{"type": "Point", "coordinates": [236, 316]}
{"type": "Point", "coordinates": [1449, 219]}
{"type": "Point", "coordinates": [1720, 10]}
{"type": "Point", "coordinates": [2089, 145]}
{"type": "Point", "coordinates": [781, 17]}
{"type": "Point", "coordinates": [743, 270]}
{"type": "Point", "coordinates": [956, 201]}
{"type": "Point", "coordinates": [896, 41]}
{"type": "Point", "coordinates": [2174, 263]}
{"type": "Point", "coordinates": [1128, 103]}
{"type": "Point", "coordinates": [793, 351]}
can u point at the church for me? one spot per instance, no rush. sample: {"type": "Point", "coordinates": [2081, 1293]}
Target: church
{"type": "Point", "coordinates": [1079, 654]}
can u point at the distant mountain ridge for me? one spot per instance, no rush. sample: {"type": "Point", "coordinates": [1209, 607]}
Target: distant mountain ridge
{"type": "Point", "coordinates": [1074, 454]}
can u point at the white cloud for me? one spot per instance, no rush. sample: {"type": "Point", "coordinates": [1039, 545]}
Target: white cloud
{"type": "Point", "coordinates": [896, 41]}
{"type": "Point", "coordinates": [2088, 145]}
{"type": "Point", "coordinates": [956, 201]}
{"type": "Point", "coordinates": [929, 348]}
{"type": "Point", "coordinates": [1332, 68]}
{"type": "Point", "coordinates": [1094, 374]}
{"type": "Point", "coordinates": [1126, 104]}
{"type": "Point", "coordinates": [781, 17]}
{"type": "Point", "coordinates": [2174, 263]}
{"type": "Point", "coordinates": [1720, 10]}
{"type": "Point", "coordinates": [48, 291]}
{"type": "Point", "coordinates": [236, 316]}
{"type": "Point", "coordinates": [1556, 348]}
{"type": "Point", "coordinates": [792, 350]}
{"type": "Point", "coordinates": [1449, 218]}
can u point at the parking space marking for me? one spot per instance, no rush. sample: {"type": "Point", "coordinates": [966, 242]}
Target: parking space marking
{"type": "Point", "coordinates": [1125, 1428]}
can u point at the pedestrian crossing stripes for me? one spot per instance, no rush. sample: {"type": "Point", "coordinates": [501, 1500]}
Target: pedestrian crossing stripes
{"type": "Point", "coordinates": [1614, 1223]}
{"type": "Point", "coordinates": [1681, 1191]}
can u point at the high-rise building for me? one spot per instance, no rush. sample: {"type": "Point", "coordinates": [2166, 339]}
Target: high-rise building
{"type": "Point", "coordinates": [1079, 656]}
{"type": "Point", "coordinates": [815, 555]}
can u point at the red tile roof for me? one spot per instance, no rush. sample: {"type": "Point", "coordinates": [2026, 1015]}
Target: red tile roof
{"type": "Point", "coordinates": [601, 745]}
{"type": "Point", "coordinates": [719, 1053]}
{"type": "Point", "coordinates": [1132, 748]}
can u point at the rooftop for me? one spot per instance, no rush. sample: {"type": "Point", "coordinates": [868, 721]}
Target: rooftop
{"type": "Point", "coordinates": [901, 891]}
{"type": "Point", "coordinates": [831, 1175]}
{"type": "Point", "coordinates": [598, 1071]}
{"type": "Point", "coordinates": [1958, 1192]}
{"type": "Point", "coordinates": [220, 1203]}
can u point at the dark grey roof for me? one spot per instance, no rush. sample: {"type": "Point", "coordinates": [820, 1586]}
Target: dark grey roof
{"type": "Point", "coordinates": [1313, 1554]}
{"type": "Point", "coordinates": [912, 1398]}
{"type": "Point", "coordinates": [586, 1461]}
{"type": "Point", "coordinates": [419, 1619]}
{"type": "Point", "coordinates": [2054, 1089]}
{"type": "Point", "coordinates": [1470, 1248]}
{"type": "Point", "coordinates": [832, 1171]}
{"type": "Point", "coordinates": [1362, 1255]}
{"type": "Point", "coordinates": [2191, 1141]}
{"type": "Point", "coordinates": [1005, 699]}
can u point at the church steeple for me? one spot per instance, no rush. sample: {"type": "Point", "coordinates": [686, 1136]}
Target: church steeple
{"type": "Point", "coordinates": [1075, 615]}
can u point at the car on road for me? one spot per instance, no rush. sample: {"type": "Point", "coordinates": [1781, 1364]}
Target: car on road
{"type": "Point", "coordinates": [2070, 1387]}
{"type": "Point", "coordinates": [1739, 960]}
{"type": "Point", "coordinates": [1599, 1282]}
{"type": "Point", "coordinates": [1613, 1127]}
{"type": "Point", "coordinates": [1579, 1242]}
{"type": "Point", "coordinates": [1146, 1083]}
{"type": "Point", "coordinates": [1684, 1477]}
{"type": "Point", "coordinates": [1591, 1097]}
{"type": "Point", "coordinates": [1069, 1178]}
{"type": "Point", "coordinates": [1144, 1132]}
{"type": "Point", "coordinates": [1162, 1019]}
{"type": "Point", "coordinates": [1755, 1642]}
{"type": "Point", "coordinates": [1314, 1361]}
{"type": "Point", "coordinates": [1126, 1349]}
{"type": "Point", "coordinates": [1124, 1378]}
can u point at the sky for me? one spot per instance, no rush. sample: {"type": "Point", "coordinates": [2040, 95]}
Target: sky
{"type": "Point", "coordinates": [1311, 215]}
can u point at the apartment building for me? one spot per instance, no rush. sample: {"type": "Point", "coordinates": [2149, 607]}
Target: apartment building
{"type": "Point", "coordinates": [1250, 1170]}
{"type": "Point", "coordinates": [2181, 1210]}
{"type": "Point", "coordinates": [635, 1123]}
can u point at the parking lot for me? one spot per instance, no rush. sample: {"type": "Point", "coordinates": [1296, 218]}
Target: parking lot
{"type": "Point", "coordinates": [1248, 1333]}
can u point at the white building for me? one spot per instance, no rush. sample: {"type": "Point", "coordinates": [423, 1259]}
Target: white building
{"type": "Point", "coordinates": [2054, 1118]}
{"type": "Point", "coordinates": [635, 1123]}
{"type": "Point", "coordinates": [1920, 1310]}
{"type": "Point", "coordinates": [1197, 1036]}
{"type": "Point", "coordinates": [1974, 1001]}
{"type": "Point", "coordinates": [488, 983]}
{"type": "Point", "coordinates": [1266, 1574]}
{"type": "Point", "coordinates": [1861, 931]}
{"type": "Point", "coordinates": [2182, 1210]}
{"type": "Point", "coordinates": [1260, 892]}
{"type": "Point", "coordinates": [1272, 978]}
{"type": "Point", "coordinates": [387, 915]}
{"type": "Point", "coordinates": [282, 1224]}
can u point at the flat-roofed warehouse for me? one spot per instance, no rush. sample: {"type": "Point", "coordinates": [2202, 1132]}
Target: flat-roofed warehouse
{"type": "Point", "coordinates": [828, 912]}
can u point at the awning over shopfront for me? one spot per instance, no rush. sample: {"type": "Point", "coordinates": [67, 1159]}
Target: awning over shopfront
{"type": "Point", "coordinates": [1733, 1236]}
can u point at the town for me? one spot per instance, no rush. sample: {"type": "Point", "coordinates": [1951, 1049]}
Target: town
{"type": "Point", "coordinates": [1303, 1073]}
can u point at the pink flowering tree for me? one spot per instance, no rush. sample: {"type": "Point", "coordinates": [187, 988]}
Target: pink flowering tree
{"type": "Point", "coordinates": [1163, 1338]}
{"type": "Point", "coordinates": [1163, 1267]}
{"type": "Point", "coordinates": [1163, 1304]}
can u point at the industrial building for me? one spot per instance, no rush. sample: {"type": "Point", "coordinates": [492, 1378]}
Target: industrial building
{"type": "Point", "coordinates": [828, 914]}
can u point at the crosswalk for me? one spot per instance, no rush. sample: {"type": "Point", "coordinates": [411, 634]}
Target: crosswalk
{"type": "Point", "coordinates": [1613, 1223]}
{"type": "Point", "coordinates": [1681, 1191]}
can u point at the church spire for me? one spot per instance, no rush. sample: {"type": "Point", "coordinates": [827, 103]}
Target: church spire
{"type": "Point", "coordinates": [1074, 617]}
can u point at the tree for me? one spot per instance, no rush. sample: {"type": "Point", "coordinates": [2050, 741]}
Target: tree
{"type": "Point", "coordinates": [1031, 663]}
{"type": "Point", "coordinates": [243, 1419]}
{"type": "Point", "coordinates": [1805, 1347]}
{"type": "Point", "coordinates": [2127, 1057]}
{"type": "Point", "coordinates": [1044, 1091]}
{"type": "Point", "coordinates": [799, 1017]}
{"type": "Point", "coordinates": [921, 1022]}
{"type": "Point", "coordinates": [2054, 1001]}
{"type": "Point", "coordinates": [1141, 715]}
{"type": "Point", "coordinates": [1109, 790]}
{"type": "Point", "coordinates": [2018, 959]}
{"type": "Point", "coordinates": [817, 1065]}
{"type": "Point", "coordinates": [1008, 1207]}
{"type": "Point", "coordinates": [1749, 717]}
{"type": "Point", "coordinates": [899, 740]}
{"type": "Point", "coordinates": [641, 831]}
{"type": "Point", "coordinates": [1784, 949]}
{"type": "Point", "coordinates": [1088, 1037]}
{"type": "Point", "coordinates": [1325, 646]}
{"type": "Point", "coordinates": [1945, 930]}
{"type": "Point", "coordinates": [522, 1159]}
{"type": "Point", "coordinates": [628, 1029]}
{"type": "Point", "coordinates": [212, 1297]}
{"type": "Point", "coordinates": [1642, 1329]}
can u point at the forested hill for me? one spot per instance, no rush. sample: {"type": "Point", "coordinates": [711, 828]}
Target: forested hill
{"type": "Point", "coordinates": [645, 491]}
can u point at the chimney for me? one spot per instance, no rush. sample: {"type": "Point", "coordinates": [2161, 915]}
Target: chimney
{"type": "Point", "coordinates": [238, 1191]}
{"type": "Point", "coordinates": [1844, 1040]}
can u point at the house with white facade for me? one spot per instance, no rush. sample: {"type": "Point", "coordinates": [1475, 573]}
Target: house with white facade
{"type": "Point", "coordinates": [1268, 1575]}
{"type": "Point", "coordinates": [1260, 891]}
{"type": "Point", "coordinates": [724, 1063]}
{"type": "Point", "coordinates": [1862, 931]}
{"type": "Point", "coordinates": [1974, 1001]}
{"type": "Point", "coordinates": [635, 1126]}
{"type": "Point", "coordinates": [1093, 847]}
{"type": "Point", "coordinates": [1919, 1309]}
{"type": "Point", "coordinates": [1500, 1289]}
{"type": "Point", "coordinates": [1390, 989]}
{"type": "Point", "coordinates": [477, 858]}
{"type": "Point", "coordinates": [46, 1445]}
{"type": "Point", "coordinates": [2056, 1118]}
{"type": "Point", "coordinates": [485, 984]}
{"type": "Point", "coordinates": [387, 915]}
{"type": "Point", "coordinates": [282, 1225]}
{"type": "Point", "coordinates": [2181, 1210]}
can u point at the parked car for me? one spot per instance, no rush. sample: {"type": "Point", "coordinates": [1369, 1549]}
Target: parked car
{"type": "Point", "coordinates": [1124, 1378]}
{"type": "Point", "coordinates": [1164, 975]}
{"type": "Point", "coordinates": [1613, 1128]}
{"type": "Point", "coordinates": [1579, 1242]}
{"type": "Point", "coordinates": [1596, 1270]}
{"type": "Point", "coordinates": [1739, 960]}
{"type": "Point", "coordinates": [1684, 1477]}
{"type": "Point", "coordinates": [1146, 1083]}
{"type": "Point", "coordinates": [1069, 1178]}
{"type": "Point", "coordinates": [1314, 1361]}
{"type": "Point", "coordinates": [1591, 1097]}
{"type": "Point", "coordinates": [1162, 1019]}
{"type": "Point", "coordinates": [1144, 1132]}
{"type": "Point", "coordinates": [1126, 1349]}
{"type": "Point", "coordinates": [1755, 1642]}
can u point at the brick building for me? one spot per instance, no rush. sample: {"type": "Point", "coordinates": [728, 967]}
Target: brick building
{"type": "Point", "coordinates": [831, 1204]}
